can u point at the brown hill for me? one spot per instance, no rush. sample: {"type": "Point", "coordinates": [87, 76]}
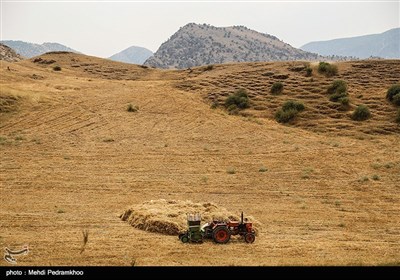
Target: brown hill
{"type": "Point", "coordinates": [8, 54]}
{"type": "Point", "coordinates": [368, 82]}
{"type": "Point", "coordinates": [201, 44]}
{"type": "Point", "coordinates": [73, 159]}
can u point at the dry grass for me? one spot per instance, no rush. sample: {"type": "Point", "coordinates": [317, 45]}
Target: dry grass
{"type": "Point", "coordinates": [85, 234]}
{"type": "Point", "coordinates": [323, 217]}
{"type": "Point", "coordinates": [367, 82]}
{"type": "Point", "coordinates": [169, 216]}
{"type": "Point", "coordinates": [12, 99]}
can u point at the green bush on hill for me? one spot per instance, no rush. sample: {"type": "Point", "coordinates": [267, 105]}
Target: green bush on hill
{"type": "Point", "coordinates": [396, 99]}
{"type": "Point", "coordinates": [393, 94]}
{"type": "Point", "coordinates": [361, 113]}
{"type": "Point", "coordinates": [209, 67]}
{"type": "Point", "coordinates": [337, 86]}
{"type": "Point", "coordinates": [292, 104]}
{"type": "Point", "coordinates": [285, 116]}
{"type": "Point", "coordinates": [345, 101]}
{"type": "Point", "coordinates": [277, 88]}
{"type": "Point", "coordinates": [238, 100]}
{"type": "Point", "coordinates": [308, 71]}
{"type": "Point", "coordinates": [338, 92]}
{"type": "Point", "coordinates": [289, 111]}
{"type": "Point", "coordinates": [132, 108]}
{"type": "Point", "coordinates": [338, 96]}
{"type": "Point", "coordinates": [327, 69]}
{"type": "Point", "coordinates": [398, 116]}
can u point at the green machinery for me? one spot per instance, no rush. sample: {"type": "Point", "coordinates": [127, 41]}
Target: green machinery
{"type": "Point", "coordinates": [194, 233]}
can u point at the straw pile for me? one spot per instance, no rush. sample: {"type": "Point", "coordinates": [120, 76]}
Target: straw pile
{"type": "Point", "coordinates": [169, 216]}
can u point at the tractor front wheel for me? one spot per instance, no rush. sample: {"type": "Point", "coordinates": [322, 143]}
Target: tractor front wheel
{"type": "Point", "coordinates": [249, 237]}
{"type": "Point", "coordinates": [221, 235]}
{"type": "Point", "coordinates": [184, 238]}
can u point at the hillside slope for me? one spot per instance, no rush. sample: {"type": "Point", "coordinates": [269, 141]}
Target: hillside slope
{"type": "Point", "coordinates": [8, 54]}
{"type": "Point", "coordinates": [73, 159]}
{"type": "Point", "coordinates": [134, 55]}
{"type": "Point", "coordinates": [30, 49]}
{"type": "Point", "coordinates": [384, 45]}
{"type": "Point", "coordinates": [195, 45]}
{"type": "Point", "coordinates": [368, 82]}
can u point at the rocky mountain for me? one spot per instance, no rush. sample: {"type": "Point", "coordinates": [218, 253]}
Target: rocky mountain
{"type": "Point", "coordinates": [134, 55]}
{"type": "Point", "coordinates": [8, 54]}
{"type": "Point", "coordinates": [30, 49]}
{"type": "Point", "coordinates": [384, 45]}
{"type": "Point", "coordinates": [195, 44]}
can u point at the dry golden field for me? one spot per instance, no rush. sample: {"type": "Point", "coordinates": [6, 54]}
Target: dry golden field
{"type": "Point", "coordinates": [73, 159]}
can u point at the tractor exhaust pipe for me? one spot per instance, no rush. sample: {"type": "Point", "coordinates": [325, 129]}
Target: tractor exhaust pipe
{"type": "Point", "coordinates": [241, 218]}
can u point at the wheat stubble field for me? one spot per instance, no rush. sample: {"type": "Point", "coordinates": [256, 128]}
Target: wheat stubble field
{"type": "Point", "coordinates": [74, 159]}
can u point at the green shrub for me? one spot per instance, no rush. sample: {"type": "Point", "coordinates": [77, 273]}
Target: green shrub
{"type": "Point", "coordinates": [285, 116]}
{"type": "Point", "coordinates": [209, 67]}
{"type": "Point", "coordinates": [232, 107]}
{"type": "Point", "coordinates": [338, 92]}
{"type": "Point", "coordinates": [277, 88]}
{"type": "Point", "coordinates": [331, 71]}
{"type": "Point", "coordinates": [292, 104]}
{"type": "Point", "coordinates": [289, 111]}
{"type": "Point", "coordinates": [345, 101]}
{"type": "Point", "coordinates": [132, 108]}
{"type": "Point", "coordinates": [327, 69]}
{"type": "Point", "coordinates": [322, 67]}
{"type": "Point", "coordinates": [308, 71]}
{"type": "Point", "coordinates": [338, 96]}
{"type": "Point", "coordinates": [392, 91]}
{"type": "Point", "coordinates": [239, 99]}
{"type": "Point", "coordinates": [398, 116]}
{"type": "Point", "coordinates": [337, 86]}
{"type": "Point", "coordinates": [376, 177]}
{"type": "Point", "coordinates": [396, 99]}
{"type": "Point", "coordinates": [361, 113]}
{"type": "Point", "coordinates": [57, 68]}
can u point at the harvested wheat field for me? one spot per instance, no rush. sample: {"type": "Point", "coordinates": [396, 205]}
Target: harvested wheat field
{"type": "Point", "coordinates": [324, 187]}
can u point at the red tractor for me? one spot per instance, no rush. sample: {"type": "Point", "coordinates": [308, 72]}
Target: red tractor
{"type": "Point", "coordinates": [221, 231]}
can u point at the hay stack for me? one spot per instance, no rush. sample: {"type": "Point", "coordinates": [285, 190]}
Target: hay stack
{"type": "Point", "coordinates": [169, 216]}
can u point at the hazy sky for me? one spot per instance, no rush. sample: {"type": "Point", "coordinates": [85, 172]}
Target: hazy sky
{"type": "Point", "coordinates": [102, 28]}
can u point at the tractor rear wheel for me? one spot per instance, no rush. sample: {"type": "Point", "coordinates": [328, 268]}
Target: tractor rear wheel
{"type": "Point", "coordinates": [221, 235]}
{"type": "Point", "coordinates": [249, 237]}
{"type": "Point", "coordinates": [184, 238]}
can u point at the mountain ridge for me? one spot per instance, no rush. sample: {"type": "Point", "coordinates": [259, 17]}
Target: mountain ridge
{"type": "Point", "coordinates": [133, 54]}
{"type": "Point", "coordinates": [8, 54]}
{"type": "Point", "coordinates": [202, 44]}
{"type": "Point", "coordinates": [29, 50]}
{"type": "Point", "coordinates": [384, 45]}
